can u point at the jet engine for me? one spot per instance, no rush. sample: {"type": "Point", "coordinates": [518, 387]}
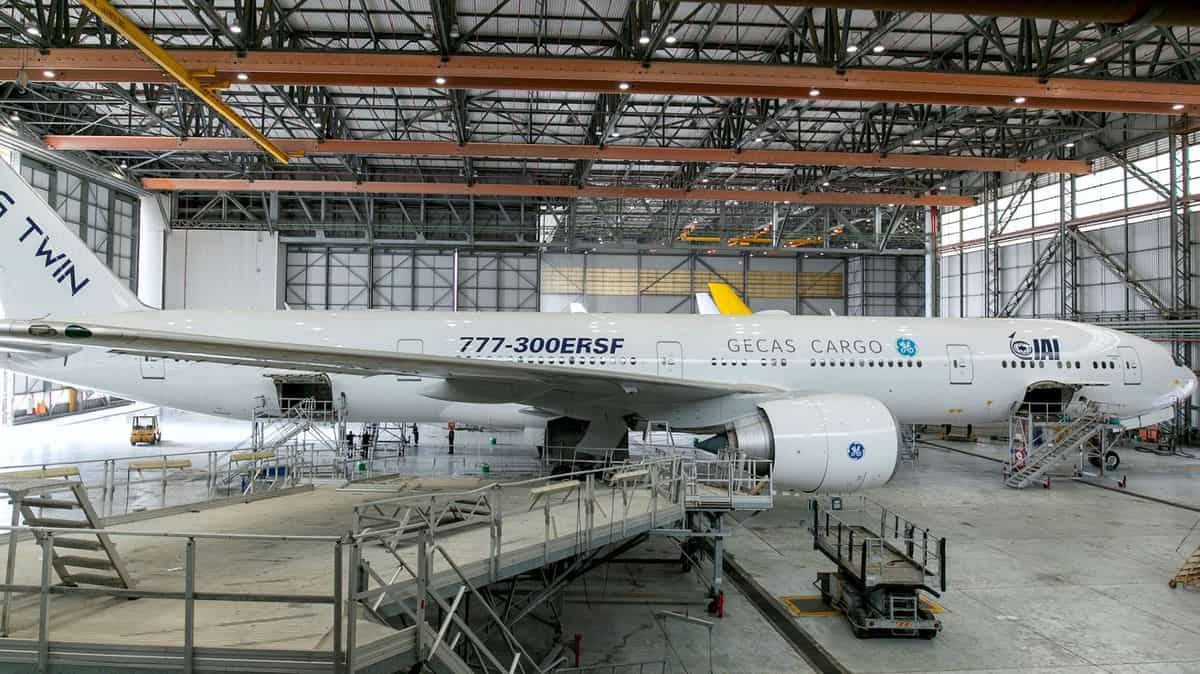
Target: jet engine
{"type": "Point", "coordinates": [827, 443]}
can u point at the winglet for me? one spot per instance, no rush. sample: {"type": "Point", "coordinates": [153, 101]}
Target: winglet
{"type": "Point", "coordinates": [727, 300]}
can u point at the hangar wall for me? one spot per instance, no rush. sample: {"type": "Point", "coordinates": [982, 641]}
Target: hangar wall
{"type": "Point", "coordinates": [406, 278]}
{"type": "Point", "coordinates": [1100, 237]}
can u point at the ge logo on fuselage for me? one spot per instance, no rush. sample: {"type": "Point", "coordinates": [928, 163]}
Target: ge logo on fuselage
{"type": "Point", "coordinates": [856, 451]}
{"type": "Point", "coordinates": [906, 347]}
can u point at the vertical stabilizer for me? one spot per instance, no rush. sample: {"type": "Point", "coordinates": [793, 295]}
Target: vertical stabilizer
{"type": "Point", "coordinates": [45, 270]}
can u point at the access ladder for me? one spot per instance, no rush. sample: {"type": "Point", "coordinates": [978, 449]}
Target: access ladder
{"type": "Point", "coordinates": [31, 499]}
{"type": "Point", "coordinates": [1068, 438]}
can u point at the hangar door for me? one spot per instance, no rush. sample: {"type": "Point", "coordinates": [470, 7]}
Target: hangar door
{"type": "Point", "coordinates": [959, 358]}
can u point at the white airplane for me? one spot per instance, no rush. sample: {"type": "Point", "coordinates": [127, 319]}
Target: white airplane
{"type": "Point", "coordinates": [822, 397]}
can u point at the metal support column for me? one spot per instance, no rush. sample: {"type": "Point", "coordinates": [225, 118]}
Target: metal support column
{"type": "Point", "coordinates": [930, 227]}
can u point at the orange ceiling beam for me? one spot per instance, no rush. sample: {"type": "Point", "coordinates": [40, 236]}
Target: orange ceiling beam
{"type": "Point", "coordinates": [355, 69]}
{"type": "Point", "coordinates": [550, 191]}
{"type": "Point", "coordinates": [572, 152]}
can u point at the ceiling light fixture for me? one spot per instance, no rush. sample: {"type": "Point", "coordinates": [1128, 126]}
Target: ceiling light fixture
{"type": "Point", "coordinates": [243, 77]}
{"type": "Point", "coordinates": [33, 30]}
{"type": "Point", "coordinates": [1068, 145]}
{"type": "Point", "coordinates": [615, 134]}
{"type": "Point", "coordinates": [644, 39]}
{"type": "Point", "coordinates": [439, 80]}
{"type": "Point", "coordinates": [851, 49]}
{"type": "Point", "coordinates": [917, 141]}
{"type": "Point", "coordinates": [814, 92]}
{"type": "Point", "coordinates": [48, 73]}
{"type": "Point", "coordinates": [878, 49]}
{"type": "Point", "coordinates": [124, 165]}
{"type": "Point", "coordinates": [14, 116]}
{"type": "Point", "coordinates": [1177, 106]}
{"type": "Point", "coordinates": [623, 86]}
{"type": "Point", "coordinates": [943, 188]}
{"type": "Point", "coordinates": [1090, 60]}
{"type": "Point", "coordinates": [1019, 100]}
{"type": "Point", "coordinates": [235, 28]}
{"type": "Point", "coordinates": [670, 39]}
{"type": "Point", "coordinates": [825, 184]}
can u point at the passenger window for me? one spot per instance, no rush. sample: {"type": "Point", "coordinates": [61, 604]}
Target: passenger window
{"type": "Point", "coordinates": [1004, 363]}
{"type": "Point", "coordinates": [783, 362]}
{"type": "Point", "coordinates": [633, 360]}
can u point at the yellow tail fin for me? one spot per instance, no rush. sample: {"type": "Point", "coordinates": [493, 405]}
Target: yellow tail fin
{"type": "Point", "coordinates": [727, 300]}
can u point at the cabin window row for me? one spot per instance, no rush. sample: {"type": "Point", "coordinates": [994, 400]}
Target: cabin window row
{"type": "Point", "coordinates": [868, 362]}
{"type": "Point", "coordinates": [1096, 365]}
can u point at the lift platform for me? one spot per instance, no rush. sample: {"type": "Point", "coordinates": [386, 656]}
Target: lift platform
{"type": "Point", "coordinates": [885, 562]}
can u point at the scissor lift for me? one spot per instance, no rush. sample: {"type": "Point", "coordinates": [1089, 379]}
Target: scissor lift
{"type": "Point", "coordinates": [884, 563]}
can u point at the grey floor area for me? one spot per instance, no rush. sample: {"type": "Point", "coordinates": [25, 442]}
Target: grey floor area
{"type": "Point", "coordinates": [1072, 578]}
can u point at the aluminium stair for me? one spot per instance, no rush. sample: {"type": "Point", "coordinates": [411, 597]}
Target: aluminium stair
{"type": "Point", "coordinates": [1068, 439]}
{"type": "Point", "coordinates": [50, 504]}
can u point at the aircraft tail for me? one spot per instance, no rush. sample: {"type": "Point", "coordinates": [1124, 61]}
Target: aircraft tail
{"type": "Point", "coordinates": [45, 269]}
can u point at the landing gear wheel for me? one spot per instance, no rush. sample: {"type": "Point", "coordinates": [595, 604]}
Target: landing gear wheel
{"type": "Point", "coordinates": [927, 634]}
{"type": "Point", "coordinates": [1111, 460]}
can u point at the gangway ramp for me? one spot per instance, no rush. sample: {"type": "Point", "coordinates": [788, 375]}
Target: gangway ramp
{"type": "Point", "coordinates": [432, 550]}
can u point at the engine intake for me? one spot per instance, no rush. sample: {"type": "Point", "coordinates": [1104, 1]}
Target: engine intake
{"type": "Point", "coordinates": [826, 443]}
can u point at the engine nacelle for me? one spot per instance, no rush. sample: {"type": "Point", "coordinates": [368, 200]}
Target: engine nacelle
{"type": "Point", "coordinates": [829, 443]}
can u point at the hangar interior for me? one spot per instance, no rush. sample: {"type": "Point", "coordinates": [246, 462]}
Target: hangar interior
{"type": "Point", "coordinates": [888, 160]}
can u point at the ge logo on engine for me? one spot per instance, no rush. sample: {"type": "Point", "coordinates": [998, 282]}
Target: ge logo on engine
{"type": "Point", "coordinates": [856, 451]}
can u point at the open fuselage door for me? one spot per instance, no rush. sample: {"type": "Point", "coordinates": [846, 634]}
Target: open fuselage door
{"type": "Point", "coordinates": [1131, 365]}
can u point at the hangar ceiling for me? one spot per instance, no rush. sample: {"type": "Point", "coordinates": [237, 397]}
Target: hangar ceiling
{"type": "Point", "coordinates": [586, 123]}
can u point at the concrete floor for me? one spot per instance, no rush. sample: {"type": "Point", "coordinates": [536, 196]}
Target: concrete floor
{"type": "Point", "coordinates": [1069, 579]}
{"type": "Point", "coordinates": [1073, 578]}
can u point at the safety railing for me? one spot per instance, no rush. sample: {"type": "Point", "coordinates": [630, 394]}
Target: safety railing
{"type": "Point", "coordinates": [31, 607]}
{"type": "Point", "coordinates": [734, 483]}
{"type": "Point", "coordinates": [401, 544]}
{"type": "Point", "coordinates": [877, 546]}
{"type": "Point", "coordinates": [126, 484]}
{"type": "Point", "coordinates": [647, 667]}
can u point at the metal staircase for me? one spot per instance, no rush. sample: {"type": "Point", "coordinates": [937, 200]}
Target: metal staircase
{"type": "Point", "coordinates": [48, 503]}
{"type": "Point", "coordinates": [1069, 437]}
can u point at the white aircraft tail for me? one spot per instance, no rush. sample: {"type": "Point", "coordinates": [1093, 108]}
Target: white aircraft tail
{"type": "Point", "coordinates": [45, 270]}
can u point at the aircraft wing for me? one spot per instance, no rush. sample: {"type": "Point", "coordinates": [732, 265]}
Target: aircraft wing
{"type": "Point", "coordinates": [466, 380]}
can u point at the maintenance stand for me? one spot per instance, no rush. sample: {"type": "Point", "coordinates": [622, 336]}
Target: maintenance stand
{"type": "Point", "coordinates": [884, 563]}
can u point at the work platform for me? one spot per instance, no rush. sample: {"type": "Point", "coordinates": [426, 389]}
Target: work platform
{"type": "Point", "coordinates": [329, 578]}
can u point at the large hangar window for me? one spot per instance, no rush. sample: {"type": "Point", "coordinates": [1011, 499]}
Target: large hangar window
{"type": "Point", "coordinates": [107, 219]}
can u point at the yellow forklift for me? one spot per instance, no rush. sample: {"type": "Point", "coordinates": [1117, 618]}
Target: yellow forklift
{"type": "Point", "coordinates": [145, 430]}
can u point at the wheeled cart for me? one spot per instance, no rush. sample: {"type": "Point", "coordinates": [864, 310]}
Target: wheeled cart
{"type": "Point", "coordinates": [884, 563]}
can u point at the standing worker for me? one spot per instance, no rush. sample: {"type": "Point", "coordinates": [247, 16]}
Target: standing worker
{"type": "Point", "coordinates": [450, 436]}
{"type": "Point", "coordinates": [416, 436]}
{"type": "Point", "coordinates": [349, 444]}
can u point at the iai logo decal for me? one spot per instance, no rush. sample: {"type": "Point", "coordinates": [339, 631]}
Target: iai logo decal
{"type": "Point", "coordinates": [1037, 348]}
{"type": "Point", "coordinates": [855, 451]}
{"type": "Point", "coordinates": [906, 347]}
